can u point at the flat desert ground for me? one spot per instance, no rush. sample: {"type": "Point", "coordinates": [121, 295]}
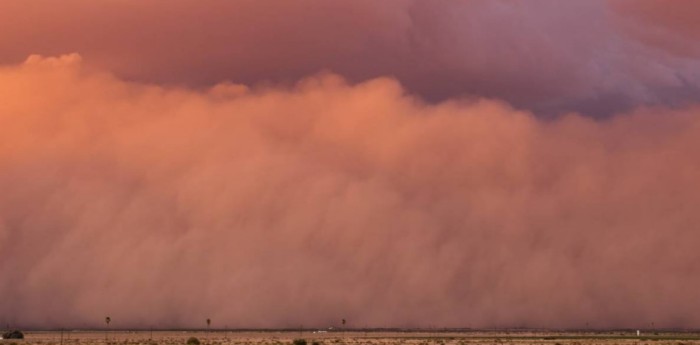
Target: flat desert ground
{"type": "Point", "coordinates": [356, 337]}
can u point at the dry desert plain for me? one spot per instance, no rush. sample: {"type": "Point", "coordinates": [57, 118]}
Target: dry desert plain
{"type": "Point", "coordinates": [356, 337]}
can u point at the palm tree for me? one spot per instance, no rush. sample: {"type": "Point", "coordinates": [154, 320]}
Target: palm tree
{"type": "Point", "coordinates": [107, 321]}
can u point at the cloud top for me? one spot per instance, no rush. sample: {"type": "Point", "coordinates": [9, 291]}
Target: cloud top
{"type": "Point", "coordinates": [551, 57]}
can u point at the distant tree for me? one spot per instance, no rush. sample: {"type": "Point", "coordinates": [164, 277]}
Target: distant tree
{"type": "Point", "coordinates": [107, 321]}
{"type": "Point", "coordinates": [208, 324]}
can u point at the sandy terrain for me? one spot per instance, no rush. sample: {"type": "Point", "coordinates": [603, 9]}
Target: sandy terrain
{"type": "Point", "coordinates": [378, 338]}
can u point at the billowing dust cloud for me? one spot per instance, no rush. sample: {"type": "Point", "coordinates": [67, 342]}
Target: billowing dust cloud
{"type": "Point", "coordinates": [594, 57]}
{"type": "Point", "coordinates": [286, 206]}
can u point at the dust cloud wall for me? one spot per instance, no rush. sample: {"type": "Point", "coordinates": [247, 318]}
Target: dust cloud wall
{"type": "Point", "coordinates": [406, 164]}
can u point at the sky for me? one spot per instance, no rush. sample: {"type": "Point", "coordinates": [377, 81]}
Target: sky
{"type": "Point", "coordinates": [482, 164]}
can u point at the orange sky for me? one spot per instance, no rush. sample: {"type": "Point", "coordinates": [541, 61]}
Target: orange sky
{"type": "Point", "coordinates": [396, 164]}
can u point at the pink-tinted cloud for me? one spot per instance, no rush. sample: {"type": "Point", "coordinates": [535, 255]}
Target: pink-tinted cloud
{"type": "Point", "coordinates": [280, 206]}
{"type": "Point", "coordinates": [596, 57]}
{"type": "Point", "coordinates": [672, 25]}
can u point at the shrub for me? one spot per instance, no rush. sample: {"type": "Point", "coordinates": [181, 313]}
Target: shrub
{"type": "Point", "coordinates": [192, 341]}
{"type": "Point", "coordinates": [13, 335]}
{"type": "Point", "coordinates": [299, 342]}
